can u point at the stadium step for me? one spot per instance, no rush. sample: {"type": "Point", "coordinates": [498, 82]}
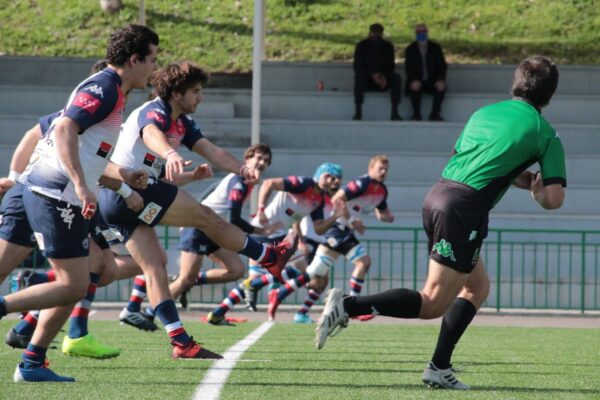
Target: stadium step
{"type": "Point", "coordinates": [299, 76]}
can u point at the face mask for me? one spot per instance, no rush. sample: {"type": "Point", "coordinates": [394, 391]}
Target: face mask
{"type": "Point", "coordinates": [422, 37]}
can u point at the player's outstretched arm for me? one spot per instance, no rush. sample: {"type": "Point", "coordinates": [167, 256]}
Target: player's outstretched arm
{"type": "Point", "coordinates": [384, 215]}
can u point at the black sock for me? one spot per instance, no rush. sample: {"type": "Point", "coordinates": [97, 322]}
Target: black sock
{"type": "Point", "coordinates": [398, 303]}
{"type": "Point", "coordinates": [455, 322]}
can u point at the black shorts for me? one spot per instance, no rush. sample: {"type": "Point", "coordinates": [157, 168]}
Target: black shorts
{"type": "Point", "coordinates": [455, 218]}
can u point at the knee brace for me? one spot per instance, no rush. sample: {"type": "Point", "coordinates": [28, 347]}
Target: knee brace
{"type": "Point", "coordinates": [356, 253]}
{"type": "Point", "coordinates": [320, 265]}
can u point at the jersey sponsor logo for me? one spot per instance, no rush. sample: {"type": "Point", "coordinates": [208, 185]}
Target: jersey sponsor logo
{"type": "Point", "coordinates": [354, 186]}
{"type": "Point", "coordinates": [87, 102]}
{"type": "Point", "coordinates": [149, 159]}
{"type": "Point", "coordinates": [150, 212]}
{"type": "Point", "coordinates": [236, 195]}
{"type": "Point", "coordinates": [104, 150]}
{"type": "Point", "coordinates": [86, 243]}
{"type": "Point", "coordinates": [356, 207]}
{"type": "Point", "coordinates": [294, 180]}
{"type": "Point", "coordinates": [67, 215]}
{"type": "Point", "coordinates": [97, 90]}
{"type": "Point", "coordinates": [157, 116]}
{"type": "Point", "coordinates": [289, 212]}
{"type": "Point", "coordinates": [444, 249]}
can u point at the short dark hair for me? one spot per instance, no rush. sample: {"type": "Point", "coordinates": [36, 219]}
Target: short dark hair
{"type": "Point", "coordinates": [535, 79]}
{"type": "Point", "coordinates": [258, 148]}
{"type": "Point", "coordinates": [177, 77]}
{"type": "Point", "coordinates": [376, 28]}
{"type": "Point", "coordinates": [130, 40]}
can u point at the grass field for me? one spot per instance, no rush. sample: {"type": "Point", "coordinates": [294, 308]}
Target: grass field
{"type": "Point", "coordinates": [367, 361]}
{"type": "Point", "coordinates": [218, 33]}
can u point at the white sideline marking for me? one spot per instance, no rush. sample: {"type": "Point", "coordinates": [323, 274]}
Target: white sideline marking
{"type": "Point", "coordinates": [216, 376]}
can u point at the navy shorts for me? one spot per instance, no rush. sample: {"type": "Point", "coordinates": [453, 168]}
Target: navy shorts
{"type": "Point", "coordinates": [312, 245]}
{"type": "Point", "coordinates": [195, 241]}
{"type": "Point", "coordinates": [59, 228]}
{"type": "Point", "coordinates": [97, 230]}
{"type": "Point", "coordinates": [158, 197]}
{"type": "Point", "coordinates": [341, 244]}
{"type": "Point", "coordinates": [14, 226]}
{"type": "Point", "coordinates": [455, 219]}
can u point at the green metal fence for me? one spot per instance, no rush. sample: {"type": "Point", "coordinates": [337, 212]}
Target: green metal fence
{"type": "Point", "coordinates": [528, 268]}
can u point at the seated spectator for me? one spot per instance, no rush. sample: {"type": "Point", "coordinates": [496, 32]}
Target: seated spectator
{"type": "Point", "coordinates": [374, 71]}
{"type": "Point", "coordinates": [425, 72]}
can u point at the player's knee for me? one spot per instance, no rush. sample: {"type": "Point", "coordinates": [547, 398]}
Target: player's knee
{"type": "Point", "coordinates": [236, 273]}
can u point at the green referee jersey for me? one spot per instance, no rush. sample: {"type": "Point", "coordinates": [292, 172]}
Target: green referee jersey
{"type": "Point", "coordinates": [499, 142]}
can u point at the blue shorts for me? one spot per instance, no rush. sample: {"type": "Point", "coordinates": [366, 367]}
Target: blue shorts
{"type": "Point", "coordinates": [14, 226]}
{"type": "Point", "coordinates": [158, 197]}
{"type": "Point", "coordinates": [195, 241]}
{"type": "Point", "coordinates": [59, 228]}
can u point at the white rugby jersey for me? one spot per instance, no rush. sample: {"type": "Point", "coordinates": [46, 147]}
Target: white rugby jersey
{"type": "Point", "coordinates": [297, 200]}
{"type": "Point", "coordinates": [131, 152]}
{"type": "Point", "coordinates": [230, 193]}
{"type": "Point", "coordinates": [365, 194]}
{"type": "Point", "coordinates": [97, 105]}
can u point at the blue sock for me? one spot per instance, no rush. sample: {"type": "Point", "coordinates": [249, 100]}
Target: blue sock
{"type": "Point", "coordinates": [2, 307]}
{"type": "Point", "coordinates": [27, 325]}
{"type": "Point", "coordinates": [167, 313]}
{"type": "Point", "coordinates": [201, 279]}
{"type": "Point", "coordinates": [78, 322]}
{"type": "Point", "coordinates": [290, 272]}
{"type": "Point", "coordinates": [34, 356]}
{"type": "Point", "coordinates": [254, 249]}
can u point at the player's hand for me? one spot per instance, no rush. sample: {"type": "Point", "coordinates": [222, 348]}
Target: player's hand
{"type": "Point", "coordinates": [524, 179]}
{"type": "Point", "coordinates": [358, 226]}
{"type": "Point", "coordinates": [340, 210]}
{"type": "Point", "coordinates": [88, 201]}
{"type": "Point", "coordinates": [134, 202]}
{"type": "Point", "coordinates": [250, 175]}
{"type": "Point", "coordinates": [6, 184]}
{"type": "Point", "coordinates": [137, 179]}
{"type": "Point", "coordinates": [415, 86]}
{"type": "Point", "coordinates": [537, 186]}
{"type": "Point", "coordinates": [262, 218]}
{"type": "Point", "coordinates": [202, 171]}
{"type": "Point", "coordinates": [267, 228]}
{"type": "Point", "coordinates": [175, 165]}
{"type": "Point", "coordinates": [440, 85]}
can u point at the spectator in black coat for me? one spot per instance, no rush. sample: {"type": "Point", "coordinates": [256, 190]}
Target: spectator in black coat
{"type": "Point", "coordinates": [425, 72]}
{"type": "Point", "coordinates": [374, 70]}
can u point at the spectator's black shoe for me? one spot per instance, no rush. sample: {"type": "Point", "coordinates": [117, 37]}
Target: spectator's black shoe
{"type": "Point", "coordinates": [357, 116]}
{"type": "Point", "coordinates": [396, 117]}
{"type": "Point", "coordinates": [416, 117]}
{"type": "Point", "coordinates": [436, 117]}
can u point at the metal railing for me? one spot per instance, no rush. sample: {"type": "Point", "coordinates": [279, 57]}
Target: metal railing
{"type": "Point", "coordinates": [528, 268]}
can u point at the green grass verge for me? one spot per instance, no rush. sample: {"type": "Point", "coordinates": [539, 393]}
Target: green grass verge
{"type": "Point", "coordinates": [367, 361]}
{"type": "Point", "coordinates": [218, 33]}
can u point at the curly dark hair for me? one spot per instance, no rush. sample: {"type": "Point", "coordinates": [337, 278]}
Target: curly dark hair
{"type": "Point", "coordinates": [130, 40]}
{"type": "Point", "coordinates": [258, 148]}
{"type": "Point", "coordinates": [177, 77]}
{"type": "Point", "coordinates": [535, 79]}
